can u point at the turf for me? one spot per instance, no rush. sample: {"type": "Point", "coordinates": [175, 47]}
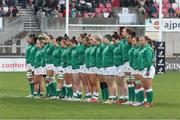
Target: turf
{"type": "Point", "coordinates": [13, 105]}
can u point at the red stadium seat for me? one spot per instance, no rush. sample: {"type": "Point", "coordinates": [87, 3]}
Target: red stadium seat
{"type": "Point", "coordinates": [98, 10]}
{"type": "Point", "coordinates": [86, 15]}
{"type": "Point", "coordinates": [93, 14]}
{"type": "Point", "coordinates": [165, 10]}
{"type": "Point", "coordinates": [99, 14]}
{"type": "Point", "coordinates": [165, 1]}
{"type": "Point", "coordinates": [108, 5]}
{"type": "Point", "coordinates": [101, 5]}
{"type": "Point", "coordinates": [104, 10]}
{"type": "Point", "coordinates": [109, 10]}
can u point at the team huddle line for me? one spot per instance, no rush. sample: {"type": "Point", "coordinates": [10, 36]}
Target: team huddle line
{"type": "Point", "coordinates": [122, 67]}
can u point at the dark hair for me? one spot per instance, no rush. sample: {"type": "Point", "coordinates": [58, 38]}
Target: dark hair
{"type": "Point", "coordinates": [30, 35]}
{"type": "Point", "coordinates": [50, 36]}
{"type": "Point", "coordinates": [148, 40]}
{"type": "Point", "coordinates": [83, 35]}
{"type": "Point", "coordinates": [133, 33]}
{"type": "Point", "coordinates": [87, 39]}
{"type": "Point", "coordinates": [58, 39]}
{"type": "Point", "coordinates": [136, 37]}
{"type": "Point", "coordinates": [115, 35]}
{"type": "Point", "coordinates": [73, 40]}
{"type": "Point", "coordinates": [65, 37]}
{"type": "Point", "coordinates": [34, 39]}
{"type": "Point", "coordinates": [128, 30]}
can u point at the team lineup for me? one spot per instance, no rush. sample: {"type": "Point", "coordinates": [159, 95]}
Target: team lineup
{"type": "Point", "coordinates": [92, 68]}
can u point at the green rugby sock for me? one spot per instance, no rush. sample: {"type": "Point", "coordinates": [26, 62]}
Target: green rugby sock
{"type": "Point", "coordinates": [141, 95]}
{"type": "Point", "coordinates": [88, 95]}
{"type": "Point", "coordinates": [32, 87]}
{"type": "Point", "coordinates": [130, 92]}
{"type": "Point", "coordinates": [106, 94]}
{"type": "Point", "coordinates": [58, 93]}
{"type": "Point", "coordinates": [54, 81]}
{"type": "Point", "coordinates": [35, 93]}
{"type": "Point", "coordinates": [47, 90]}
{"type": "Point", "coordinates": [69, 91]}
{"type": "Point", "coordinates": [79, 94]}
{"type": "Point", "coordinates": [53, 89]}
{"type": "Point", "coordinates": [63, 92]}
{"type": "Point", "coordinates": [137, 95]}
{"type": "Point", "coordinates": [103, 94]}
{"type": "Point", "coordinates": [149, 94]}
{"type": "Point", "coordinates": [133, 94]}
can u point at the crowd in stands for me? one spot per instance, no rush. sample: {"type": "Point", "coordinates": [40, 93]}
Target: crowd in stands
{"type": "Point", "coordinates": [78, 8]}
{"type": "Point", "coordinates": [8, 8]}
{"type": "Point", "coordinates": [170, 9]}
{"type": "Point", "coordinates": [91, 8]}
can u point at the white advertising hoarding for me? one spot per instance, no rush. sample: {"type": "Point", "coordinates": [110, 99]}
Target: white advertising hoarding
{"type": "Point", "coordinates": [12, 64]}
{"type": "Point", "coordinates": [127, 18]}
{"type": "Point", "coordinates": [1, 22]}
{"type": "Point", "coordinates": [168, 25]}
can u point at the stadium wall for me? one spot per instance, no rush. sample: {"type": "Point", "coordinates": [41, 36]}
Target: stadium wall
{"type": "Point", "coordinates": [19, 64]}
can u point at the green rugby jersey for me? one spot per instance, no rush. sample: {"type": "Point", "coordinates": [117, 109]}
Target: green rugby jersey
{"type": "Point", "coordinates": [49, 48]}
{"type": "Point", "coordinates": [63, 57]}
{"type": "Point", "coordinates": [118, 55]}
{"type": "Point", "coordinates": [99, 51]}
{"type": "Point", "coordinates": [125, 48]}
{"type": "Point", "coordinates": [75, 58]}
{"type": "Point", "coordinates": [145, 58]}
{"type": "Point", "coordinates": [107, 56]}
{"type": "Point", "coordinates": [87, 56]}
{"type": "Point", "coordinates": [81, 53]}
{"type": "Point", "coordinates": [57, 56]}
{"type": "Point", "coordinates": [135, 56]}
{"type": "Point", "coordinates": [28, 51]}
{"type": "Point", "coordinates": [43, 64]}
{"type": "Point", "coordinates": [92, 58]}
{"type": "Point", "coordinates": [32, 55]}
{"type": "Point", "coordinates": [68, 55]}
{"type": "Point", "coordinates": [37, 60]}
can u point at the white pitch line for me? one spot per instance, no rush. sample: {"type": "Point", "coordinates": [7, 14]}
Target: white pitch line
{"type": "Point", "coordinates": [7, 95]}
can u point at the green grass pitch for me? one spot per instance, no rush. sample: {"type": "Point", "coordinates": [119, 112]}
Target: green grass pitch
{"type": "Point", "coordinates": [13, 104]}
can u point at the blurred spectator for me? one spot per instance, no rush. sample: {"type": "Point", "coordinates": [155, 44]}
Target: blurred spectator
{"type": "Point", "coordinates": [55, 12]}
{"type": "Point", "coordinates": [14, 11]}
{"type": "Point", "coordinates": [115, 3]}
{"type": "Point", "coordinates": [73, 9]}
{"type": "Point", "coordinates": [23, 3]}
{"type": "Point", "coordinates": [1, 3]}
{"type": "Point", "coordinates": [1, 11]}
{"type": "Point", "coordinates": [128, 3]}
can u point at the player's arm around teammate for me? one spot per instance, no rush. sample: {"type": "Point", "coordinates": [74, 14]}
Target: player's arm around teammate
{"type": "Point", "coordinates": [118, 62]}
{"type": "Point", "coordinates": [49, 48]}
{"type": "Point", "coordinates": [86, 83]}
{"type": "Point", "coordinates": [82, 44]}
{"type": "Point", "coordinates": [38, 71]}
{"type": "Point", "coordinates": [64, 65]}
{"type": "Point", "coordinates": [93, 69]}
{"type": "Point", "coordinates": [139, 90]}
{"type": "Point", "coordinates": [68, 76]}
{"type": "Point", "coordinates": [75, 70]}
{"type": "Point", "coordinates": [147, 69]}
{"type": "Point", "coordinates": [100, 69]}
{"type": "Point", "coordinates": [31, 44]}
{"type": "Point", "coordinates": [108, 64]}
{"type": "Point", "coordinates": [57, 65]}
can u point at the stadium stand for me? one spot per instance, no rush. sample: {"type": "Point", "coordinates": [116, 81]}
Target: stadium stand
{"type": "Point", "coordinates": [8, 8]}
{"type": "Point", "coordinates": [171, 8]}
